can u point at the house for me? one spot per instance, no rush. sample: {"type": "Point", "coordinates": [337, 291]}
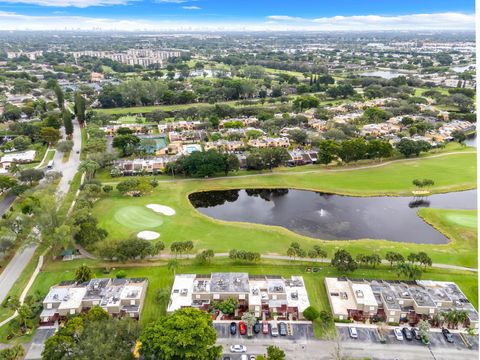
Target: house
{"type": "Point", "coordinates": [142, 166]}
{"type": "Point", "coordinates": [187, 136]}
{"type": "Point", "coordinates": [262, 295]}
{"type": "Point", "coordinates": [264, 142]}
{"type": "Point", "coordinates": [111, 130]}
{"type": "Point", "coordinates": [395, 301]}
{"type": "Point", "coordinates": [118, 297]}
{"type": "Point", "coordinates": [302, 157]}
{"type": "Point", "coordinates": [224, 145]}
{"type": "Point", "coordinates": [96, 77]}
{"type": "Point", "coordinates": [179, 126]}
{"type": "Point", "coordinates": [7, 160]}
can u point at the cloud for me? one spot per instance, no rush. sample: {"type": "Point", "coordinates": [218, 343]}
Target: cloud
{"type": "Point", "coordinates": [439, 21]}
{"type": "Point", "coordinates": [70, 3]}
{"type": "Point", "coordinates": [443, 21]}
{"type": "Point", "coordinates": [191, 7]}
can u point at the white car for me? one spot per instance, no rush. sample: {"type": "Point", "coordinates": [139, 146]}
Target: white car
{"type": "Point", "coordinates": [238, 348]}
{"type": "Point", "coordinates": [253, 357]}
{"type": "Point", "coordinates": [353, 332]}
{"type": "Point", "coordinates": [398, 334]}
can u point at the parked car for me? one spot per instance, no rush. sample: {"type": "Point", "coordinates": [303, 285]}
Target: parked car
{"type": "Point", "coordinates": [448, 335]}
{"type": "Point", "coordinates": [233, 328]}
{"type": "Point", "coordinates": [257, 327]}
{"type": "Point", "coordinates": [398, 334]}
{"type": "Point", "coordinates": [274, 329]}
{"type": "Point", "coordinates": [353, 332]}
{"type": "Point", "coordinates": [238, 348]}
{"type": "Point", "coordinates": [282, 329]}
{"type": "Point", "coordinates": [253, 357]}
{"type": "Point", "coordinates": [242, 327]}
{"type": "Point", "coordinates": [227, 358]}
{"type": "Point", "coordinates": [416, 333]}
{"type": "Point", "coordinates": [265, 327]}
{"type": "Point", "coordinates": [407, 333]}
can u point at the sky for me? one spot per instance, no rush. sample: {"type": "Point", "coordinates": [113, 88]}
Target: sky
{"type": "Point", "coordinates": [238, 15]}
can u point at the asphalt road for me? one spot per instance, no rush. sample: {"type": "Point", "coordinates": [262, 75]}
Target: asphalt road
{"type": "Point", "coordinates": [6, 202]}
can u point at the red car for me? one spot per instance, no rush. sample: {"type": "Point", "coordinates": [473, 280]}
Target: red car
{"type": "Point", "coordinates": [265, 327]}
{"type": "Point", "coordinates": [242, 327]}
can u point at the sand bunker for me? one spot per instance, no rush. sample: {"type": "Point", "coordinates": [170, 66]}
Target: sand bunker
{"type": "Point", "coordinates": [165, 210]}
{"type": "Point", "coordinates": [148, 235]}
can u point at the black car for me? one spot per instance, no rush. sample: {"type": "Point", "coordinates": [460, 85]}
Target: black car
{"type": "Point", "coordinates": [282, 329]}
{"type": "Point", "coordinates": [233, 328]}
{"type": "Point", "coordinates": [416, 334]}
{"type": "Point", "coordinates": [257, 327]}
{"type": "Point", "coordinates": [407, 333]}
{"type": "Point", "coordinates": [448, 335]}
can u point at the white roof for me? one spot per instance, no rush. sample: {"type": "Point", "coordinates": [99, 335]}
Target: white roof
{"type": "Point", "coordinates": [301, 300]}
{"type": "Point", "coordinates": [179, 297]}
{"type": "Point", "coordinates": [340, 304]}
{"type": "Point", "coordinates": [19, 156]}
{"type": "Point", "coordinates": [73, 300]}
{"type": "Point", "coordinates": [363, 294]}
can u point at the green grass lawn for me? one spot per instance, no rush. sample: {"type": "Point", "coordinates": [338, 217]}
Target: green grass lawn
{"type": "Point", "coordinates": [160, 277]}
{"type": "Point", "coordinates": [454, 172]}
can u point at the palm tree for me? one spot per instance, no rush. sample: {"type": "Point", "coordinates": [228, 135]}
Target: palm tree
{"type": "Point", "coordinates": [173, 265]}
{"type": "Point", "coordinates": [88, 167]}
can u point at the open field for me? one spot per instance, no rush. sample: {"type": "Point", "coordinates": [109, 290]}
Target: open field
{"type": "Point", "coordinates": [452, 172]}
{"type": "Point", "coordinates": [160, 277]}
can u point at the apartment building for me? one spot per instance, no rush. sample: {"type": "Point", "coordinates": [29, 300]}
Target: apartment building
{"type": "Point", "coordinates": [136, 128]}
{"type": "Point", "coordinates": [179, 126]}
{"type": "Point", "coordinates": [143, 57]}
{"type": "Point", "coordinates": [395, 301]}
{"type": "Point", "coordinates": [262, 295]}
{"type": "Point", "coordinates": [118, 297]}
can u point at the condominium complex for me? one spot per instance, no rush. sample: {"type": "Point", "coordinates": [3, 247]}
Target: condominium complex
{"type": "Point", "coordinates": [119, 297]}
{"type": "Point", "coordinates": [395, 301]}
{"type": "Point", "coordinates": [143, 57]}
{"type": "Point", "coordinates": [263, 295]}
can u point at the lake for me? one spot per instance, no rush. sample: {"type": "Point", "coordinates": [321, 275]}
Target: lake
{"type": "Point", "coordinates": [332, 217]}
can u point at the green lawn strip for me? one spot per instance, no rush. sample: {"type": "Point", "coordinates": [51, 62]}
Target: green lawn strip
{"type": "Point", "coordinates": [160, 277]}
{"type": "Point", "coordinates": [455, 172]}
{"type": "Point", "coordinates": [83, 154]}
{"type": "Point", "coordinates": [104, 174]}
{"type": "Point", "coordinates": [66, 156]}
{"type": "Point", "coordinates": [70, 196]}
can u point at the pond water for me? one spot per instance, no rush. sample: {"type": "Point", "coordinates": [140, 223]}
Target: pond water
{"type": "Point", "coordinates": [333, 217]}
{"type": "Point", "coordinates": [460, 69]}
{"type": "Point", "coordinates": [471, 141]}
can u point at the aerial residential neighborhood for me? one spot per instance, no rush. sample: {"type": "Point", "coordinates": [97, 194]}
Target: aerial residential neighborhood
{"type": "Point", "coordinates": [238, 180]}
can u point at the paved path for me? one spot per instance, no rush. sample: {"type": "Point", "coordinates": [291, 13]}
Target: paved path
{"type": "Point", "coordinates": [14, 269]}
{"type": "Point", "coordinates": [6, 202]}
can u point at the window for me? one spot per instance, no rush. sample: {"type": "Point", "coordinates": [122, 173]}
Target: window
{"type": "Point", "coordinates": [391, 319]}
{"type": "Point", "coordinates": [274, 297]}
{"type": "Point", "coordinates": [241, 297]}
{"type": "Point", "coordinates": [400, 302]}
{"type": "Point", "coordinates": [257, 308]}
{"type": "Point", "coordinates": [439, 304]}
{"type": "Point", "coordinates": [216, 296]}
{"type": "Point", "coordinates": [372, 308]}
{"type": "Point", "coordinates": [132, 302]}
{"type": "Point", "coordinates": [72, 311]}
{"type": "Point", "coordinates": [49, 306]}
{"type": "Point", "coordinates": [197, 296]}
{"type": "Point", "coordinates": [392, 312]}
{"type": "Point", "coordinates": [96, 302]}
{"type": "Point", "coordinates": [340, 317]}
{"type": "Point", "coordinates": [431, 311]}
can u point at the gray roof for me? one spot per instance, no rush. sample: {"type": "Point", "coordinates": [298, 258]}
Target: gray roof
{"type": "Point", "coordinates": [229, 283]}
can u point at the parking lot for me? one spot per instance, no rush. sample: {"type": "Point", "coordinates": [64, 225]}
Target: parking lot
{"type": "Point", "coordinates": [437, 340]}
{"type": "Point", "coordinates": [299, 332]}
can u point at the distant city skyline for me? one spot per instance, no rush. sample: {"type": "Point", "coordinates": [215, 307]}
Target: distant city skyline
{"type": "Point", "coordinates": [347, 15]}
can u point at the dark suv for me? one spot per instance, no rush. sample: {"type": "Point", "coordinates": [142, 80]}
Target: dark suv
{"type": "Point", "coordinates": [233, 328]}
{"type": "Point", "coordinates": [282, 329]}
{"type": "Point", "coordinates": [448, 335]}
{"type": "Point", "coordinates": [407, 333]}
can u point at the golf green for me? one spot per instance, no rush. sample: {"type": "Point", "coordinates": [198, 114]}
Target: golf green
{"type": "Point", "coordinates": [467, 220]}
{"type": "Point", "coordinates": [137, 217]}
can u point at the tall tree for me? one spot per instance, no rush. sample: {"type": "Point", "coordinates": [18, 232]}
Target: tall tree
{"type": "Point", "coordinates": [80, 106]}
{"type": "Point", "coordinates": [186, 334]}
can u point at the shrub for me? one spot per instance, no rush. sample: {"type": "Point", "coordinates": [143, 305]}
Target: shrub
{"type": "Point", "coordinates": [310, 313]}
{"type": "Point", "coordinates": [121, 274]}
